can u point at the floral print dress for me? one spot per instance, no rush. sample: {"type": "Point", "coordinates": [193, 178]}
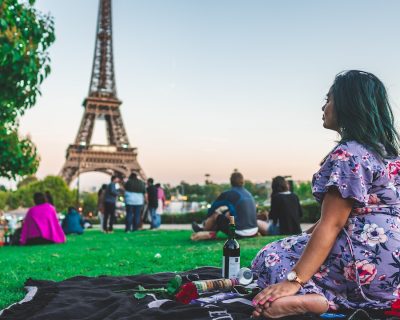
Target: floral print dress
{"type": "Point", "coordinates": [363, 267]}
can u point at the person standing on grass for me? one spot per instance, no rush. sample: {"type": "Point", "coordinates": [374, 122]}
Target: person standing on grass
{"type": "Point", "coordinates": [152, 204]}
{"type": "Point", "coordinates": [110, 200]}
{"type": "Point", "coordinates": [134, 201]}
{"type": "Point", "coordinates": [350, 259]}
{"type": "Point", "coordinates": [161, 199]}
{"type": "Point", "coordinates": [101, 194]}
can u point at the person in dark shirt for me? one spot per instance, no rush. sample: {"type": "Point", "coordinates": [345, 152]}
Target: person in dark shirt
{"type": "Point", "coordinates": [152, 203]}
{"type": "Point", "coordinates": [237, 202]}
{"type": "Point", "coordinates": [110, 200]}
{"type": "Point", "coordinates": [285, 210]}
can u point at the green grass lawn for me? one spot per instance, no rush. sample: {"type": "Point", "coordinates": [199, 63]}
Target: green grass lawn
{"type": "Point", "coordinates": [95, 253]}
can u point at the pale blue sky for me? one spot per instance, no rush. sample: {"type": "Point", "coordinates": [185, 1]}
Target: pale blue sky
{"type": "Point", "coordinates": [208, 86]}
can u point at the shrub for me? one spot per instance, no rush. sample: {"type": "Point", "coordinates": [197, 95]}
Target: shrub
{"type": "Point", "coordinates": [89, 200]}
{"type": "Point", "coordinates": [23, 197]}
{"type": "Point", "coordinates": [311, 212]}
{"type": "Point", "coordinates": [3, 199]}
{"type": "Point", "coordinates": [182, 218]}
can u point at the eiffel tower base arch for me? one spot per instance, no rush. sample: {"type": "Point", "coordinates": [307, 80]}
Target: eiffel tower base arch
{"type": "Point", "coordinates": [92, 159]}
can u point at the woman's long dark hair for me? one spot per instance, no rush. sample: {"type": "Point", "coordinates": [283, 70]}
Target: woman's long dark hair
{"type": "Point", "coordinates": [364, 113]}
{"type": "Point", "coordinates": [279, 184]}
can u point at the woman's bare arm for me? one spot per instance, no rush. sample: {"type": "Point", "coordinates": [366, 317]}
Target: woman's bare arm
{"type": "Point", "coordinates": [311, 229]}
{"type": "Point", "coordinates": [334, 214]}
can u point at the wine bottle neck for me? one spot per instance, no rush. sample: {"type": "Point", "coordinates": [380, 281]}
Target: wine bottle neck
{"type": "Point", "coordinates": [232, 230]}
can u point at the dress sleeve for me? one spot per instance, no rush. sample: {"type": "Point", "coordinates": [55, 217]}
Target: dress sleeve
{"type": "Point", "coordinates": [346, 169]}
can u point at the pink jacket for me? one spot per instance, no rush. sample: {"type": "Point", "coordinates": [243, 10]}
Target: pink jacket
{"type": "Point", "coordinates": [41, 222]}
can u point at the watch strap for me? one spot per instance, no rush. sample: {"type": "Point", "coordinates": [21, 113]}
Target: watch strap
{"type": "Point", "coordinates": [301, 283]}
{"type": "Point", "coordinates": [297, 279]}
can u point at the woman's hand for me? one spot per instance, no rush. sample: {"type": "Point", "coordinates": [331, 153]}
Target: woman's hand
{"type": "Point", "coordinates": [271, 293]}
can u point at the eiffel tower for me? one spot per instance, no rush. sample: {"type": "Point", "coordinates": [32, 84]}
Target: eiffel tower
{"type": "Point", "coordinates": [117, 157]}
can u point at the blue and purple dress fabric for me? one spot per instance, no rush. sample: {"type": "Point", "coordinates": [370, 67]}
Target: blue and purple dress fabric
{"type": "Point", "coordinates": [363, 267]}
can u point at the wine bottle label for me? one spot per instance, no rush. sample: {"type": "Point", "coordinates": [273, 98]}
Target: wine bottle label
{"type": "Point", "coordinates": [233, 265]}
{"type": "Point", "coordinates": [214, 285]}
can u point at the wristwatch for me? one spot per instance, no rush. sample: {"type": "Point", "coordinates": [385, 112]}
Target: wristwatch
{"type": "Point", "coordinates": [293, 277]}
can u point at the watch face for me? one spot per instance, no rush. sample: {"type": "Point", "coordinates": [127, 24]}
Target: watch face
{"type": "Point", "coordinates": [291, 276]}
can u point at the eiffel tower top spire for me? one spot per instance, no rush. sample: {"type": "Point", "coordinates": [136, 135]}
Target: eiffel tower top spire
{"type": "Point", "coordinates": [102, 83]}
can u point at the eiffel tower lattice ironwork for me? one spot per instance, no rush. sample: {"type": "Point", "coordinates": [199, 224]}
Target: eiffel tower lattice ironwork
{"type": "Point", "coordinates": [102, 104]}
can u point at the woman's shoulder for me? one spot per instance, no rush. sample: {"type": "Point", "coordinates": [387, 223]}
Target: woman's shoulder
{"type": "Point", "coordinates": [350, 145]}
{"type": "Point", "coordinates": [347, 149]}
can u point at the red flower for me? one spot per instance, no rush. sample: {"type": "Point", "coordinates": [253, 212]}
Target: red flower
{"type": "Point", "coordinates": [393, 168]}
{"type": "Point", "coordinates": [395, 310]}
{"type": "Point", "coordinates": [340, 154]}
{"type": "Point", "coordinates": [187, 293]}
{"type": "Point", "coordinates": [366, 271]}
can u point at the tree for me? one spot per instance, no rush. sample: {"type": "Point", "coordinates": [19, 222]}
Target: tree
{"type": "Point", "coordinates": [59, 190]}
{"type": "Point", "coordinates": [27, 180]}
{"type": "Point", "coordinates": [89, 200]}
{"type": "Point", "coordinates": [3, 199]}
{"type": "Point", "coordinates": [18, 157]}
{"type": "Point", "coordinates": [303, 190]}
{"type": "Point", "coordinates": [25, 36]}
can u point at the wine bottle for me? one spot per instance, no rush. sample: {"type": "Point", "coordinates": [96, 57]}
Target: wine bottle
{"type": "Point", "coordinates": [231, 254]}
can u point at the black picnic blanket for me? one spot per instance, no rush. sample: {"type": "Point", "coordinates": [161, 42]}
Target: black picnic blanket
{"type": "Point", "coordinates": [95, 298]}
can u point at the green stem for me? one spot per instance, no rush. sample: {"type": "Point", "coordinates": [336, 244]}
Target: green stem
{"type": "Point", "coordinates": [156, 290]}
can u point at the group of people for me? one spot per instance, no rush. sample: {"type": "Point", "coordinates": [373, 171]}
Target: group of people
{"type": "Point", "coordinates": [141, 201]}
{"type": "Point", "coordinates": [349, 259]}
{"type": "Point", "coordinates": [41, 224]}
{"type": "Point", "coordinates": [283, 217]}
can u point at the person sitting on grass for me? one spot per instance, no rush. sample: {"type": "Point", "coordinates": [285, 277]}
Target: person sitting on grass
{"type": "Point", "coordinates": [350, 259]}
{"type": "Point", "coordinates": [285, 211]}
{"type": "Point", "coordinates": [239, 203]}
{"type": "Point", "coordinates": [40, 224]}
{"type": "Point", "coordinates": [73, 222]}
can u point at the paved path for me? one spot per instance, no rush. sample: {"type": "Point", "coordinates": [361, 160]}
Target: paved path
{"type": "Point", "coordinates": [304, 226]}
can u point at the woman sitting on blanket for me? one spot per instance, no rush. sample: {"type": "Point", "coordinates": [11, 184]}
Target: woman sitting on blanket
{"type": "Point", "coordinates": [351, 257]}
{"type": "Point", "coordinates": [40, 224]}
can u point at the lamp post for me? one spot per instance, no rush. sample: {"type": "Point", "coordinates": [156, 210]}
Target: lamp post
{"type": "Point", "coordinates": [80, 148]}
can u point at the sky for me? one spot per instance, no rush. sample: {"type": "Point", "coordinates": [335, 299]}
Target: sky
{"type": "Point", "coordinates": [209, 86]}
